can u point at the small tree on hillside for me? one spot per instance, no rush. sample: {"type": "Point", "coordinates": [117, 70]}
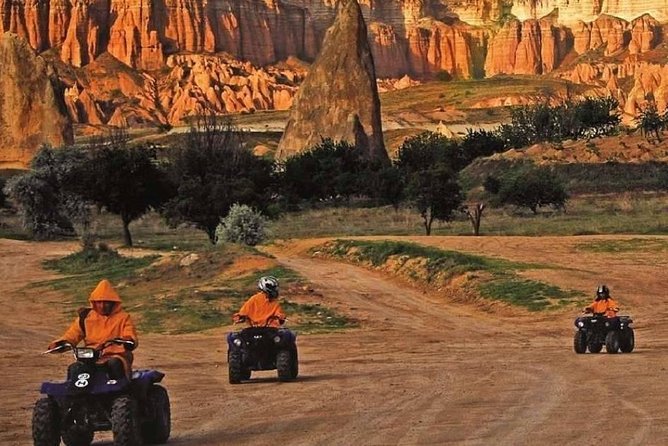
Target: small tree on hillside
{"type": "Point", "coordinates": [212, 171]}
{"type": "Point", "coordinates": [533, 188]}
{"type": "Point", "coordinates": [650, 122]}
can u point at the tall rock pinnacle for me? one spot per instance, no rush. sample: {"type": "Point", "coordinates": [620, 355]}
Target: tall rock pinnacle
{"type": "Point", "coordinates": [339, 97]}
{"type": "Point", "coordinates": [32, 110]}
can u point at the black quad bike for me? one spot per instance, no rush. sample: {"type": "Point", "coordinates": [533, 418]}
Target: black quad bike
{"type": "Point", "coordinates": [262, 348]}
{"type": "Point", "coordinates": [136, 411]}
{"type": "Point", "coordinates": [598, 330]}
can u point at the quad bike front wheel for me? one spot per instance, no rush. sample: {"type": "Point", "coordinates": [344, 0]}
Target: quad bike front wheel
{"type": "Point", "coordinates": [158, 429]}
{"type": "Point", "coordinates": [627, 340]}
{"type": "Point", "coordinates": [46, 423]}
{"type": "Point", "coordinates": [612, 342]}
{"type": "Point", "coordinates": [236, 370]}
{"type": "Point", "coordinates": [286, 365]}
{"type": "Point", "coordinates": [580, 342]}
{"type": "Point", "coordinates": [125, 422]}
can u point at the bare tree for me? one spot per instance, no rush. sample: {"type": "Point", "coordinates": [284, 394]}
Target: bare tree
{"type": "Point", "coordinates": [475, 216]}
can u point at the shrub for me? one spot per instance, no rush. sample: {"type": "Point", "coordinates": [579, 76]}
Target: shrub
{"type": "Point", "coordinates": [533, 188]}
{"type": "Point", "coordinates": [242, 224]}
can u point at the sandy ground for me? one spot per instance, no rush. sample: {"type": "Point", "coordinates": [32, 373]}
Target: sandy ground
{"type": "Point", "coordinates": [420, 370]}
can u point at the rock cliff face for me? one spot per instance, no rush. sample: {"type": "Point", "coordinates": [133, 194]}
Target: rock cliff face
{"type": "Point", "coordinates": [31, 105]}
{"type": "Point", "coordinates": [173, 48]}
{"type": "Point", "coordinates": [343, 77]}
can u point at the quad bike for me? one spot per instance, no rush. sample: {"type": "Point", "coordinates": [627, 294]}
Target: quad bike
{"type": "Point", "coordinates": [262, 348]}
{"type": "Point", "coordinates": [136, 410]}
{"type": "Point", "coordinates": [598, 330]}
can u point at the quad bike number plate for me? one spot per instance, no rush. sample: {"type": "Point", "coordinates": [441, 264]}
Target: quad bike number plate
{"type": "Point", "coordinates": [82, 380]}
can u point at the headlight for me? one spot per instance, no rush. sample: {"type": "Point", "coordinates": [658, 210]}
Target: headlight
{"type": "Point", "coordinates": [277, 339]}
{"type": "Point", "coordinates": [581, 324]}
{"type": "Point", "coordinates": [85, 353]}
{"type": "Point", "coordinates": [237, 342]}
{"type": "Point", "coordinates": [607, 324]}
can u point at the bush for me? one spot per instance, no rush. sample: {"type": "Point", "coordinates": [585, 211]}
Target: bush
{"type": "Point", "coordinates": [242, 224]}
{"type": "Point", "coordinates": [533, 188]}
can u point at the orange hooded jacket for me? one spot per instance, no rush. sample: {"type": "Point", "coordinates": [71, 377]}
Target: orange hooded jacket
{"type": "Point", "coordinates": [100, 328]}
{"type": "Point", "coordinates": [607, 306]}
{"type": "Point", "coordinates": [259, 308]}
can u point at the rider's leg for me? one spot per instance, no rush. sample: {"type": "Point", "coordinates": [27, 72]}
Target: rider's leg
{"type": "Point", "coordinates": [116, 368]}
{"type": "Point", "coordinates": [75, 369]}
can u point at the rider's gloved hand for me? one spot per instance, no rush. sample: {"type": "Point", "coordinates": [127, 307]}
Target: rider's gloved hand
{"type": "Point", "coordinates": [239, 318]}
{"type": "Point", "coordinates": [55, 344]}
{"type": "Point", "coordinates": [128, 344]}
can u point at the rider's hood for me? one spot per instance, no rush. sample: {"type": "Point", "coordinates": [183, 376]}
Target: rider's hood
{"type": "Point", "coordinates": [105, 291]}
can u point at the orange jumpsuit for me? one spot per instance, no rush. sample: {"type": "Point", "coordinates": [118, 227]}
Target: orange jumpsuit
{"type": "Point", "coordinates": [100, 328]}
{"type": "Point", "coordinates": [607, 306]}
{"type": "Point", "coordinates": [259, 308]}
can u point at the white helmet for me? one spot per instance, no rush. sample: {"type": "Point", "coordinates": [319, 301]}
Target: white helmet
{"type": "Point", "coordinates": [268, 284]}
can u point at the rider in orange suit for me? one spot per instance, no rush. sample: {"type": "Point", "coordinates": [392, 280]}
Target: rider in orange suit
{"type": "Point", "coordinates": [263, 308]}
{"type": "Point", "coordinates": [105, 320]}
{"type": "Point", "coordinates": [604, 304]}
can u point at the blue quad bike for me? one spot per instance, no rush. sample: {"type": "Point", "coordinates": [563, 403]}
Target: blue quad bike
{"type": "Point", "coordinates": [262, 348]}
{"type": "Point", "coordinates": [136, 411]}
{"type": "Point", "coordinates": [596, 331]}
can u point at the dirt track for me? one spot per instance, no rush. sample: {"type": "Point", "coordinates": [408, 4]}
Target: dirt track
{"type": "Point", "coordinates": [419, 371]}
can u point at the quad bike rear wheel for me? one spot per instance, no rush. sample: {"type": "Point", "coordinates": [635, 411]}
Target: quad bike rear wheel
{"type": "Point", "coordinates": [595, 347]}
{"type": "Point", "coordinates": [46, 423]}
{"type": "Point", "coordinates": [158, 428]}
{"type": "Point", "coordinates": [612, 342]}
{"type": "Point", "coordinates": [125, 422]}
{"type": "Point", "coordinates": [580, 342]}
{"type": "Point", "coordinates": [627, 340]}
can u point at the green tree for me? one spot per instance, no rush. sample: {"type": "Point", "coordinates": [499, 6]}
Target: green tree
{"type": "Point", "coordinates": [331, 170]}
{"type": "Point", "coordinates": [532, 188]}
{"type": "Point", "coordinates": [126, 181]}
{"type": "Point", "coordinates": [212, 171]}
{"type": "Point", "coordinates": [426, 150]}
{"type": "Point", "coordinates": [48, 203]}
{"type": "Point", "coordinates": [650, 122]}
{"type": "Point", "coordinates": [435, 194]}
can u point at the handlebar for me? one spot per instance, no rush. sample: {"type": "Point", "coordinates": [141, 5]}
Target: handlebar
{"type": "Point", "coordinates": [66, 346]}
{"type": "Point", "coordinates": [243, 318]}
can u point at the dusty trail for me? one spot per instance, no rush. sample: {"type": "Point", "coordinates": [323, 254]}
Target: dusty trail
{"type": "Point", "coordinates": [418, 371]}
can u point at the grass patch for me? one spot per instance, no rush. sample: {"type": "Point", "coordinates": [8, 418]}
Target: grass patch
{"type": "Point", "coordinates": [438, 267]}
{"type": "Point", "coordinates": [530, 294]}
{"type": "Point", "coordinates": [631, 245]}
{"type": "Point", "coordinates": [173, 299]}
{"type": "Point", "coordinates": [378, 253]}
{"type": "Point", "coordinates": [628, 213]}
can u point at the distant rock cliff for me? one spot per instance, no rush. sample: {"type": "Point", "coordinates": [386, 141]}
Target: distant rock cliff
{"type": "Point", "coordinates": [187, 53]}
{"type": "Point", "coordinates": [339, 97]}
{"type": "Point", "coordinates": [32, 110]}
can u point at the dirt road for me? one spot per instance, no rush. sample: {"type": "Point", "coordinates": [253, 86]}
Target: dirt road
{"type": "Point", "coordinates": [419, 370]}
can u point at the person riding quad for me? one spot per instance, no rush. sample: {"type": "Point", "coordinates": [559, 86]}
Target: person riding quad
{"type": "Point", "coordinates": [103, 321]}
{"type": "Point", "coordinates": [263, 308]}
{"type": "Point", "coordinates": [603, 304]}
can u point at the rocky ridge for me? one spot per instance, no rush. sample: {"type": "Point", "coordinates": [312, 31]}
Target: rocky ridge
{"type": "Point", "coordinates": [32, 111]}
{"type": "Point", "coordinates": [343, 77]}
